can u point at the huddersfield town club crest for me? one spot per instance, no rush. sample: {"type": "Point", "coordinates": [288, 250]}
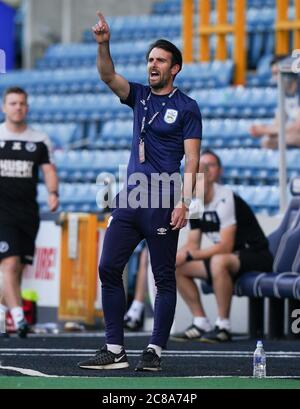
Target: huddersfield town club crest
{"type": "Point", "coordinates": [170, 116]}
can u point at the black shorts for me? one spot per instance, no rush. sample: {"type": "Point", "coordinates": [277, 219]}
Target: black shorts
{"type": "Point", "coordinates": [15, 241]}
{"type": "Point", "coordinates": [250, 260]}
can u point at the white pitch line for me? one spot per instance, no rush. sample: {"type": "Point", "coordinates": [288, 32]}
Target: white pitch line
{"type": "Point", "coordinates": [178, 355]}
{"type": "Point", "coordinates": [28, 372]}
{"type": "Point", "coordinates": [165, 353]}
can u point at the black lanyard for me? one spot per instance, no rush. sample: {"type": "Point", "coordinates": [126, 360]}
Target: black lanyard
{"type": "Point", "coordinates": [145, 125]}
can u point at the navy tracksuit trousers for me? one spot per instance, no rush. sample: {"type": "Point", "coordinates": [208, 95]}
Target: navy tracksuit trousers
{"type": "Point", "coordinates": [126, 229]}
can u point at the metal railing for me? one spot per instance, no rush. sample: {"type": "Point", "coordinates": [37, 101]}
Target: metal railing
{"type": "Point", "coordinates": [284, 26]}
{"type": "Point", "coordinates": [221, 29]}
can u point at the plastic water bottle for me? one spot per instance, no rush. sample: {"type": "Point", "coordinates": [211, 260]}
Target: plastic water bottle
{"type": "Point", "coordinates": [259, 361]}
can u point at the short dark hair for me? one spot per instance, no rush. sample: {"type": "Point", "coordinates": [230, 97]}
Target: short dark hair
{"type": "Point", "coordinates": [14, 90]}
{"type": "Point", "coordinates": [167, 46]}
{"type": "Point", "coordinates": [210, 152]}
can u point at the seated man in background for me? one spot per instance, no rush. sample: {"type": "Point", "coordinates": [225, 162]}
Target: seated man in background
{"type": "Point", "coordinates": [268, 132]}
{"type": "Point", "coordinates": [239, 245]}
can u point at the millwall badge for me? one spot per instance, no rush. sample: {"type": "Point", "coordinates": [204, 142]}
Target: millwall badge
{"type": "Point", "coordinates": [30, 146]}
{"type": "Point", "coordinates": [170, 116]}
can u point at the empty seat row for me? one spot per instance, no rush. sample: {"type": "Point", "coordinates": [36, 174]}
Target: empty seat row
{"type": "Point", "coordinates": [216, 132]}
{"type": "Point", "coordinates": [77, 107]}
{"type": "Point", "coordinates": [227, 102]}
{"type": "Point", "coordinates": [83, 55]}
{"type": "Point", "coordinates": [255, 159]}
{"type": "Point", "coordinates": [255, 166]}
{"type": "Point", "coordinates": [87, 165]}
{"type": "Point", "coordinates": [212, 128]}
{"type": "Point", "coordinates": [262, 199]}
{"type": "Point", "coordinates": [90, 194]}
{"type": "Point", "coordinates": [237, 102]}
{"type": "Point", "coordinates": [241, 165]}
{"type": "Point", "coordinates": [62, 135]}
{"type": "Point", "coordinates": [74, 197]}
{"type": "Point", "coordinates": [86, 79]}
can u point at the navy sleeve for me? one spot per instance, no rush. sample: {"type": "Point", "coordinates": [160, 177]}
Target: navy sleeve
{"type": "Point", "coordinates": [134, 93]}
{"type": "Point", "coordinates": [192, 121]}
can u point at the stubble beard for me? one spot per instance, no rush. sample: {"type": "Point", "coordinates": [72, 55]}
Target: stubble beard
{"type": "Point", "coordinates": [158, 85]}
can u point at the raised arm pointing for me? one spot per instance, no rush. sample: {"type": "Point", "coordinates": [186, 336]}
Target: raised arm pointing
{"type": "Point", "coordinates": [118, 84]}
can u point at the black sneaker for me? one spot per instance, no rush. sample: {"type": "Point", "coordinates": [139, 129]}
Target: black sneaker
{"type": "Point", "coordinates": [131, 324]}
{"type": "Point", "coordinates": [22, 329]}
{"type": "Point", "coordinates": [192, 333]}
{"type": "Point", "coordinates": [105, 359]}
{"type": "Point", "coordinates": [216, 335]}
{"type": "Point", "coordinates": [149, 361]}
{"type": "Point", "coordinates": [4, 335]}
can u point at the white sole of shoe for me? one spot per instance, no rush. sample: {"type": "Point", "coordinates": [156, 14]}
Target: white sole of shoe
{"type": "Point", "coordinates": [183, 339]}
{"type": "Point", "coordinates": [110, 366]}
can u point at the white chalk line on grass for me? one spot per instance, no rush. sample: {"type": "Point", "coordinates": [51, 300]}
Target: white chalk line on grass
{"type": "Point", "coordinates": [28, 372]}
{"type": "Point", "coordinates": [167, 352]}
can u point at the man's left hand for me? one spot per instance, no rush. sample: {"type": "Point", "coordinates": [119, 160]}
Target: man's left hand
{"type": "Point", "coordinates": [179, 217]}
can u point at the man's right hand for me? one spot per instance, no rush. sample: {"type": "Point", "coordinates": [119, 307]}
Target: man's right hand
{"type": "Point", "coordinates": [101, 30]}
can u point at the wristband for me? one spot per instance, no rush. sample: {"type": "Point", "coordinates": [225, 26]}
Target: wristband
{"type": "Point", "coordinates": [189, 257]}
{"type": "Point", "coordinates": [186, 201]}
{"type": "Point", "coordinates": [55, 192]}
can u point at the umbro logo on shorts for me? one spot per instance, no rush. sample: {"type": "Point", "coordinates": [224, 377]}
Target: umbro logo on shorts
{"type": "Point", "coordinates": [3, 246]}
{"type": "Point", "coordinates": [162, 231]}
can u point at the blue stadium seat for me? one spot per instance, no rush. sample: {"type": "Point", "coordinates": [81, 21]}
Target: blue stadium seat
{"type": "Point", "coordinates": [61, 134]}
{"type": "Point", "coordinates": [287, 284]}
{"type": "Point", "coordinates": [238, 102]}
{"type": "Point", "coordinates": [283, 263]}
{"type": "Point", "coordinates": [250, 284]}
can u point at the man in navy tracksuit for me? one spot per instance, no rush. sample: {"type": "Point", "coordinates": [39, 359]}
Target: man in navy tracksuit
{"type": "Point", "coordinates": [167, 125]}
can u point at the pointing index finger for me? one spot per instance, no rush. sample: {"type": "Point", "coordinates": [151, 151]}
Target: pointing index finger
{"type": "Point", "coordinates": [101, 17]}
